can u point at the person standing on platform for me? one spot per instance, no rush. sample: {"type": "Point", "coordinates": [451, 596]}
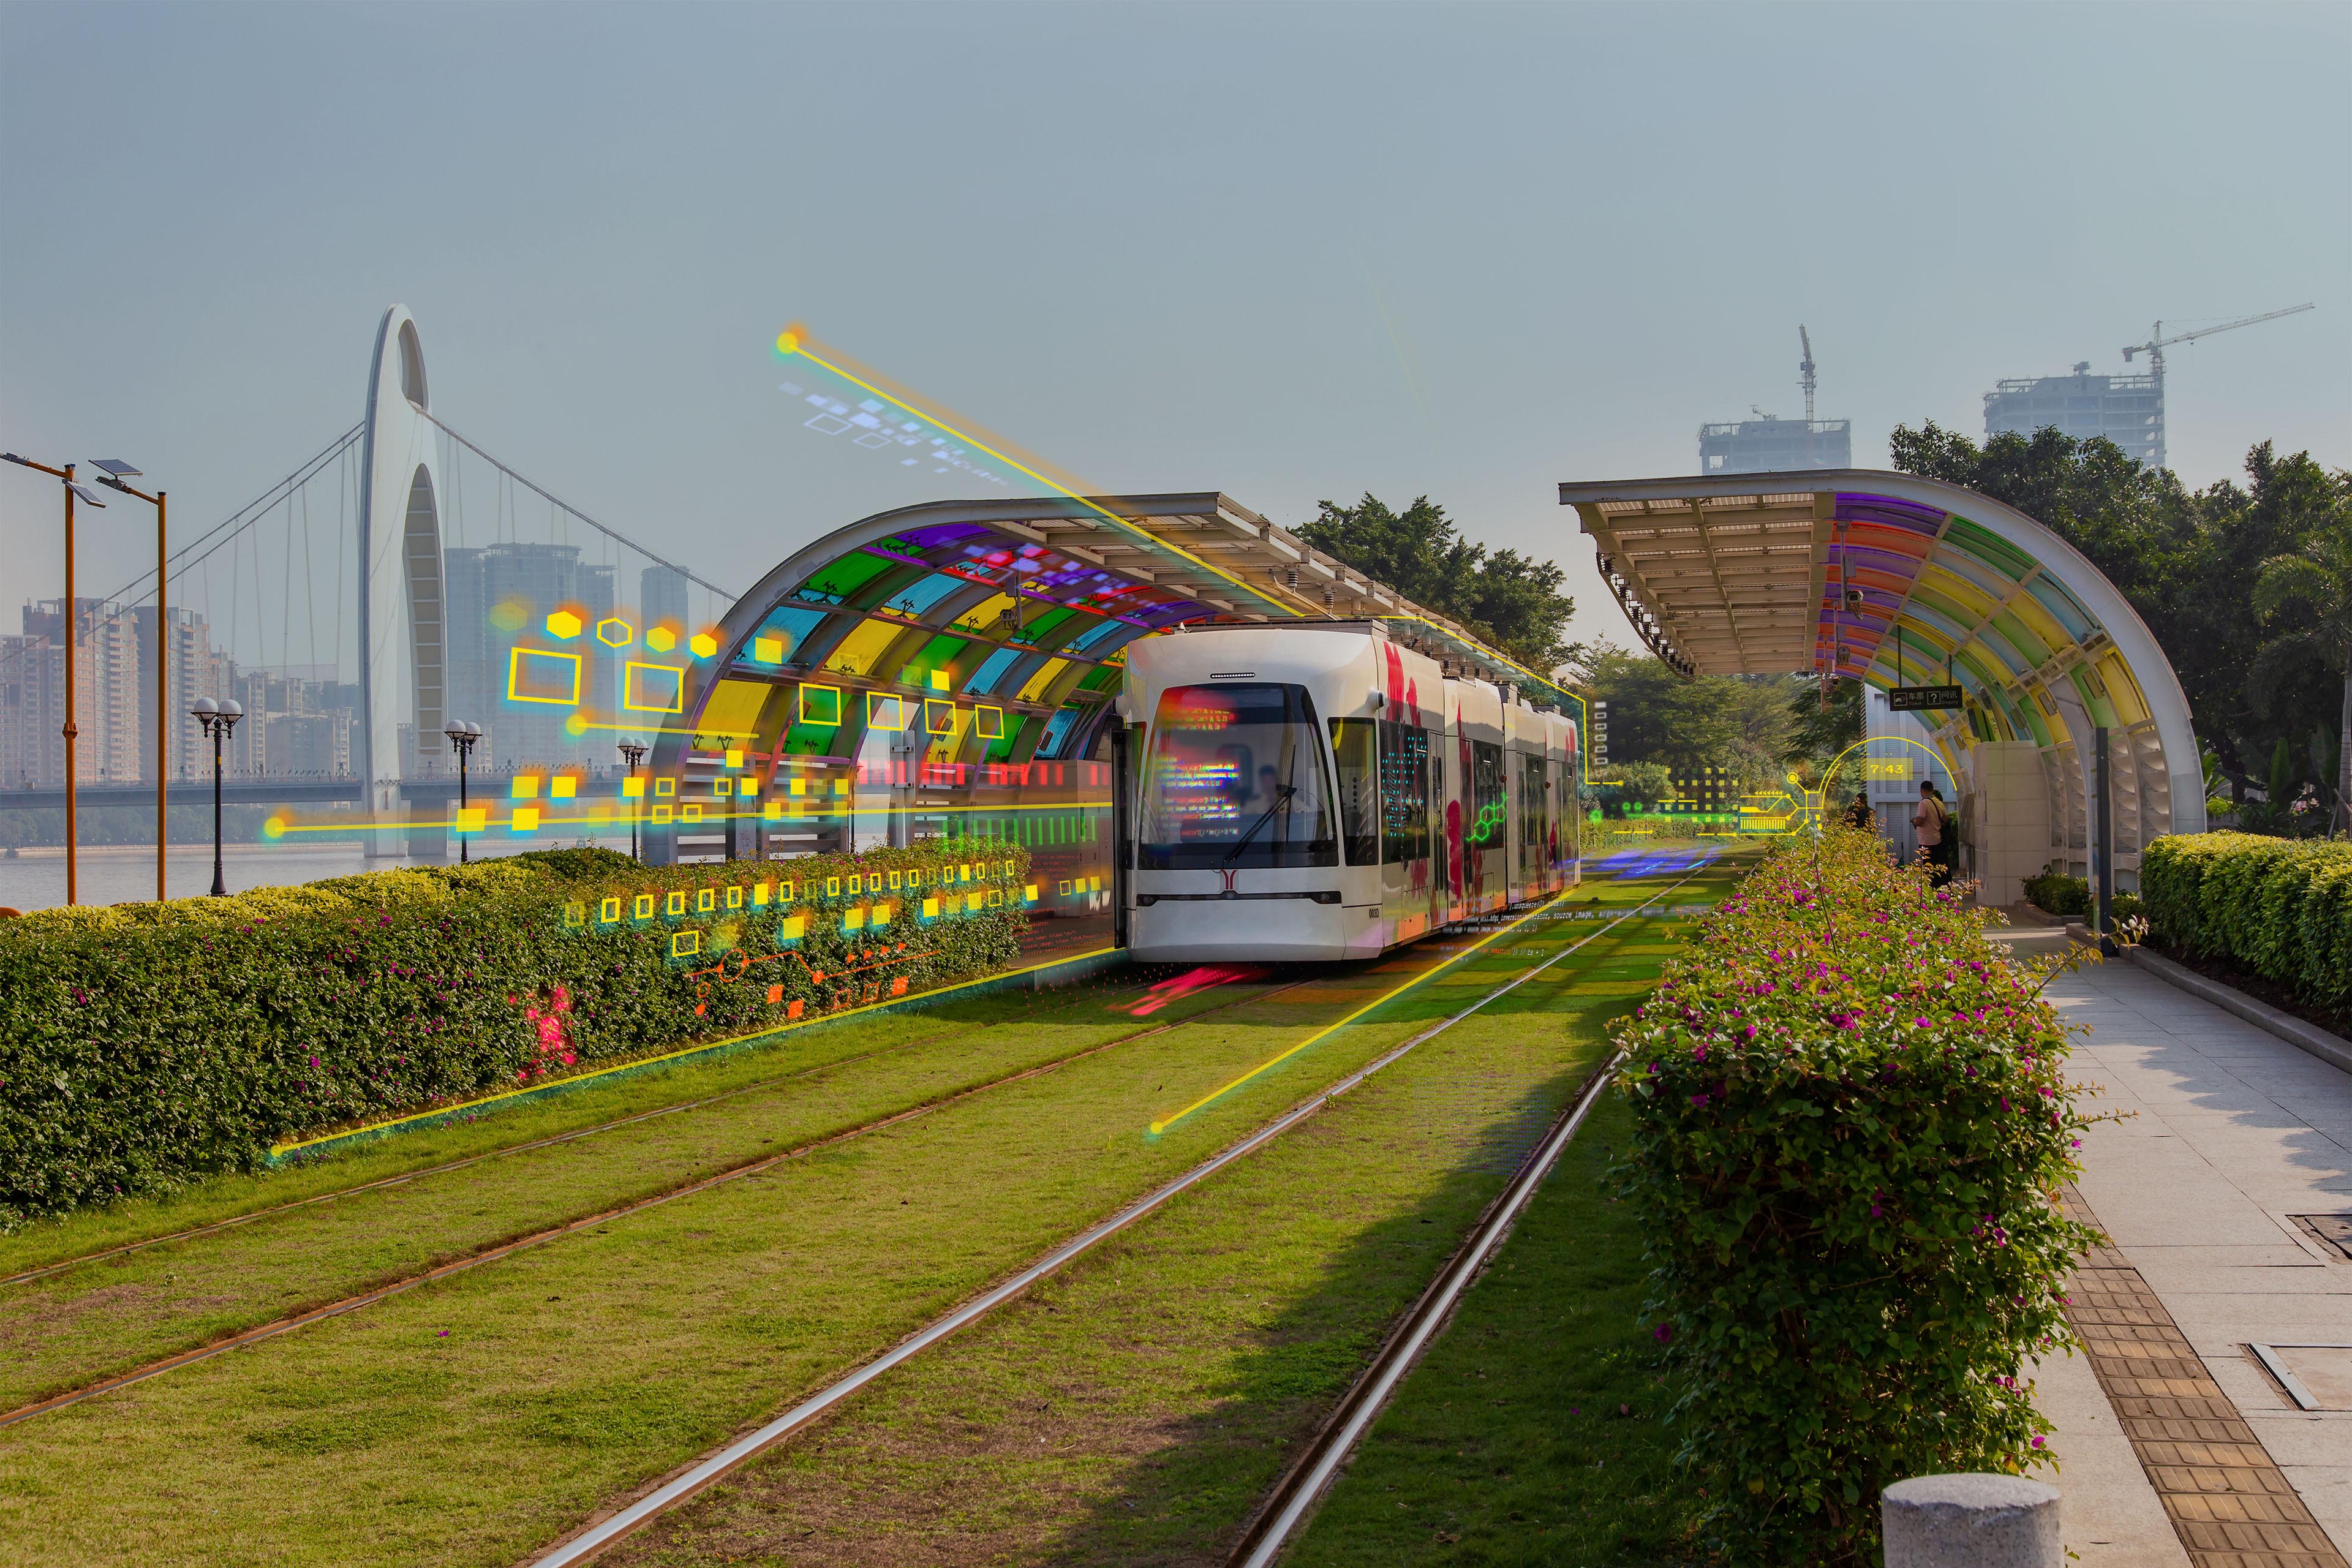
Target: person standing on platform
{"type": "Point", "coordinates": [1934, 825]}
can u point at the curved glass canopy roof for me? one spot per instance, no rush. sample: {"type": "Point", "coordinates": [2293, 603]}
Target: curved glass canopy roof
{"type": "Point", "coordinates": [1896, 580]}
{"type": "Point", "coordinates": [940, 646]}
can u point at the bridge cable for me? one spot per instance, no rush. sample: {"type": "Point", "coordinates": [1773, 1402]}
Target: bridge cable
{"type": "Point", "coordinates": [557, 501]}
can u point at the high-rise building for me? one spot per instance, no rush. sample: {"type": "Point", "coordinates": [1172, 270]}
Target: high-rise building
{"type": "Point", "coordinates": [1765, 444]}
{"type": "Point", "coordinates": [661, 598]}
{"type": "Point", "coordinates": [32, 711]}
{"type": "Point", "coordinates": [2126, 409]}
{"type": "Point", "coordinates": [110, 737]}
{"type": "Point", "coordinates": [496, 596]}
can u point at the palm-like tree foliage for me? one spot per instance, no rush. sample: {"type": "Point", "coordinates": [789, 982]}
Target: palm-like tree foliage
{"type": "Point", "coordinates": [2307, 595]}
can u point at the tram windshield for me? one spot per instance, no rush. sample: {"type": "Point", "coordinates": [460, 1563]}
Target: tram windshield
{"type": "Point", "coordinates": [1236, 777]}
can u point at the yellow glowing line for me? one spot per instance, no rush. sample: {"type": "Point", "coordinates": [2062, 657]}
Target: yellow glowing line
{"type": "Point", "coordinates": [277, 1149]}
{"type": "Point", "coordinates": [799, 341]}
{"type": "Point", "coordinates": [709, 817]}
{"type": "Point", "coordinates": [1166, 1122]}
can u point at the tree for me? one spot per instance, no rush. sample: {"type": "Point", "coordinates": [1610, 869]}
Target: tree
{"type": "Point", "coordinates": [1512, 601]}
{"type": "Point", "coordinates": [2307, 595]}
{"type": "Point", "coordinates": [1818, 734]}
{"type": "Point", "coordinates": [2187, 561]}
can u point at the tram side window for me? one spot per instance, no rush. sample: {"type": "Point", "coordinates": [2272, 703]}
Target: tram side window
{"type": "Point", "coordinates": [1353, 744]}
{"type": "Point", "coordinates": [1485, 792]}
{"type": "Point", "coordinates": [1406, 766]}
{"type": "Point", "coordinates": [1235, 777]}
{"type": "Point", "coordinates": [1531, 802]}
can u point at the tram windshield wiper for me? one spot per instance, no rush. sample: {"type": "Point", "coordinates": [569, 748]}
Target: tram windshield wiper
{"type": "Point", "coordinates": [1281, 803]}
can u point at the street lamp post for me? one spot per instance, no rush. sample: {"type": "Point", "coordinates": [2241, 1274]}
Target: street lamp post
{"type": "Point", "coordinates": [462, 737]}
{"type": "Point", "coordinates": [632, 753]}
{"type": "Point", "coordinates": [218, 719]}
{"type": "Point", "coordinates": [115, 471]}
{"type": "Point", "coordinates": [71, 730]}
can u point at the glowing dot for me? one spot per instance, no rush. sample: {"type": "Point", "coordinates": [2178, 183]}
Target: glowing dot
{"type": "Point", "coordinates": [615, 633]}
{"type": "Point", "coordinates": [768, 650]}
{"type": "Point", "coordinates": [661, 640]}
{"type": "Point", "coordinates": [275, 827]}
{"type": "Point", "coordinates": [576, 725]}
{"type": "Point", "coordinates": [703, 644]}
{"type": "Point", "coordinates": [788, 342]}
{"type": "Point", "coordinates": [563, 625]}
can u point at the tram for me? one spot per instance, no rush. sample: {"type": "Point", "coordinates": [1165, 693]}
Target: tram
{"type": "Point", "coordinates": [1317, 791]}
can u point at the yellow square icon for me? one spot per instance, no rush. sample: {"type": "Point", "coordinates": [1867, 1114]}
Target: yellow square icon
{"type": "Point", "coordinates": [661, 813]}
{"type": "Point", "coordinates": [564, 786]}
{"type": "Point", "coordinates": [734, 756]}
{"type": "Point", "coordinates": [722, 786]}
{"type": "Point", "coordinates": [665, 788]}
{"type": "Point", "coordinates": [633, 789]}
{"type": "Point", "coordinates": [773, 811]}
{"type": "Point", "coordinates": [526, 819]}
{"type": "Point", "coordinates": [705, 901]}
{"type": "Point", "coordinates": [690, 812]}
{"type": "Point", "coordinates": [759, 895]}
{"type": "Point", "coordinates": [800, 787]}
{"type": "Point", "coordinates": [940, 680]}
{"type": "Point", "coordinates": [734, 898]}
{"type": "Point", "coordinates": [473, 818]}
{"type": "Point", "coordinates": [676, 904]}
{"type": "Point", "coordinates": [608, 911]}
{"type": "Point", "coordinates": [643, 909]}
{"type": "Point", "coordinates": [524, 787]}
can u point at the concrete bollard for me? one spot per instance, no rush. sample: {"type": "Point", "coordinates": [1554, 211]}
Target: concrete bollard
{"type": "Point", "coordinates": [1971, 1521]}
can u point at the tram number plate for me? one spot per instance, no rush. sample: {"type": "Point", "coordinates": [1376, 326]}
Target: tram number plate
{"type": "Point", "coordinates": [1913, 698]}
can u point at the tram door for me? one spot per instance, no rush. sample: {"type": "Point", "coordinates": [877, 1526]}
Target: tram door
{"type": "Point", "coordinates": [1407, 886]}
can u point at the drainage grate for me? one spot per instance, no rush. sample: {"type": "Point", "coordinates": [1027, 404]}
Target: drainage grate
{"type": "Point", "coordinates": [2332, 1231]}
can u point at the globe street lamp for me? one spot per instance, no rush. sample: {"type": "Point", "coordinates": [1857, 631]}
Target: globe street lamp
{"type": "Point", "coordinates": [632, 753]}
{"type": "Point", "coordinates": [88, 497]}
{"type": "Point", "coordinates": [218, 719]}
{"type": "Point", "coordinates": [113, 471]}
{"type": "Point", "coordinates": [463, 737]}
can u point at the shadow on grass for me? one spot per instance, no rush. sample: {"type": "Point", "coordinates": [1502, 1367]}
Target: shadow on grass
{"type": "Point", "coordinates": [1478, 1459]}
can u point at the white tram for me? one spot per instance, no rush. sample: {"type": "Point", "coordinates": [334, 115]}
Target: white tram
{"type": "Point", "coordinates": [1315, 791]}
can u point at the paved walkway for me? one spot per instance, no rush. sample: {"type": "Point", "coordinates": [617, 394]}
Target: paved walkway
{"type": "Point", "coordinates": [2232, 1131]}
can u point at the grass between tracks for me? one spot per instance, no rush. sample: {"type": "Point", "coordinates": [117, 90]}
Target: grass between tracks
{"type": "Point", "coordinates": [116, 1313]}
{"type": "Point", "coordinates": [471, 1420]}
{"type": "Point", "coordinates": [1533, 1432]}
{"type": "Point", "coordinates": [1132, 1410]}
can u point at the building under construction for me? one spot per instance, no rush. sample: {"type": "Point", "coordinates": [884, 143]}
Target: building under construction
{"type": "Point", "coordinates": [2126, 409]}
{"type": "Point", "coordinates": [1767, 445]}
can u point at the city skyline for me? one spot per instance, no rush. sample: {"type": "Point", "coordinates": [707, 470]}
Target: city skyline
{"type": "Point", "coordinates": [1028, 284]}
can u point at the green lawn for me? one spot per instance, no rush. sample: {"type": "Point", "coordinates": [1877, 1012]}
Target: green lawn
{"type": "Point", "coordinates": [1532, 1433]}
{"type": "Point", "coordinates": [1132, 1410]}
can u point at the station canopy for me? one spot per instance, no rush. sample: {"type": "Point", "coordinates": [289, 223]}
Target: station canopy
{"type": "Point", "coordinates": [1893, 580]}
{"type": "Point", "coordinates": [1001, 626]}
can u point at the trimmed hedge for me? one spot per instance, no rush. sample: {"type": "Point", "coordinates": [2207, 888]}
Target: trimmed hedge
{"type": "Point", "coordinates": [1850, 1131]}
{"type": "Point", "coordinates": [2069, 898]}
{"type": "Point", "coordinates": [143, 1046]}
{"type": "Point", "coordinates": [2281, 906]}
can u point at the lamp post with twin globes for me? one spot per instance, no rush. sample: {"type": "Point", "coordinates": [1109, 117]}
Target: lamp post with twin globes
{"type": "Point", "coordinates": [632, 753]}
{"type": "Point", "coordinates": [463, 736]}
{"type": "Point", "coordinates": [218, 719]}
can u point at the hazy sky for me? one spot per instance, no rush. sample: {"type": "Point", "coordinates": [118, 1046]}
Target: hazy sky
{"type": "Point", "coordinates": [1291, 252]}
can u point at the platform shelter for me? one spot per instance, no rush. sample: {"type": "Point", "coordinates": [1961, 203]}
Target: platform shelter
{"type": "Point", "coordinates": [955, 666]}
{"type": "Point", "coordinates": [1903, 582]}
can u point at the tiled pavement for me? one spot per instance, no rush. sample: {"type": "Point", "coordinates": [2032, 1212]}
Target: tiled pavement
{"type": "Point", "coordinates": [2227, 1133]}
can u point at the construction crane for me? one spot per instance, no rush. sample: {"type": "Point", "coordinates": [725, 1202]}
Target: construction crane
{"type": "Point", "coordinates": [1805, 374]}
{"type": "Point", "coordinates": [2157, 342]}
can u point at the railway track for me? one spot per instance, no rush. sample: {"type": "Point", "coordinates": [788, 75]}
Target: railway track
{"type": "Point", "coordinates": [1405, 1344]}
{"type": "Point", "coordinates": [351, 1303]}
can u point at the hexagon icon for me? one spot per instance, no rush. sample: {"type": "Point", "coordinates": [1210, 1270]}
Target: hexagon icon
{"type": "Point", "coordinates": [703, 644]}
{"type": "Point", "coordinates": [563, 625]}
{"type": "Point", "coordinates": [661, 640]}
{"type": "Point", "coordinates": [615, 633]}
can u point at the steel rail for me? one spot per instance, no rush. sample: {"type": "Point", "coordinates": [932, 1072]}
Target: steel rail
{"type": "Point", "coordinates": [271, 1330]}
{"type": "Point", "coordinates": [600, 1536]}
{"type": "Point", "coordinates": [1287, 1505]}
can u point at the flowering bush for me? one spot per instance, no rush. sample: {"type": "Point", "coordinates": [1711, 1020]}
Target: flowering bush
{"type": "Point", "coordinates": [1850, 1128]}
{"type": "Point", "coordinates": [142, 1045]}
{"type": "Point", "coordinates": [2280, 907]}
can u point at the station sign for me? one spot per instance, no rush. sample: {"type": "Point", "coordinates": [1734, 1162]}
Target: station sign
{"type": "Point", "coordinates": [1914, 698]}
